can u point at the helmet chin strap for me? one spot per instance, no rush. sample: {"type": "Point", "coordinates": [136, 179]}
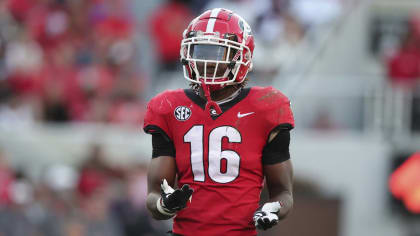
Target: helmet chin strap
{"type": "Point", "coordinates": [210, 103]}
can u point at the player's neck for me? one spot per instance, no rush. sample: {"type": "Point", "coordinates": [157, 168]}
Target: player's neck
{"type": "Point", "coordinates": [230, 97]}
{"type": "Point", "coordinates": [222, 95]}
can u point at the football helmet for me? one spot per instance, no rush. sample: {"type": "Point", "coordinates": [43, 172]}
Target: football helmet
{"type": "Point", "coordinates": [216, 49]}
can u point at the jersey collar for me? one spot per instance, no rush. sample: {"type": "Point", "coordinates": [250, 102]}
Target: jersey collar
{"type": "Point", "coordinates": [201, 102]}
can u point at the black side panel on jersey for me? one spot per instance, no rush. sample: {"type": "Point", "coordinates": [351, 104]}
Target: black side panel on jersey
{"type": "Point", "coordinates": [277, 150]}
{"type": "Point", "coordinates": [162, 146]}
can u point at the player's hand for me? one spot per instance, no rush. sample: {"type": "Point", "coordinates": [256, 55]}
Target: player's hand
{"type": "Point", "coordinates": [266, 217]}
{"type": "Point", "coordinates": [172, 200]}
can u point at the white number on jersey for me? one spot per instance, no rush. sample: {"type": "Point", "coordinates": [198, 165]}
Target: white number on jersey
{"type": "Point", "coordinates": [195, 136]}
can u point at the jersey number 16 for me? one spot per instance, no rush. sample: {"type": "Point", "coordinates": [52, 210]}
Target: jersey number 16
{"type": "Point", "coordinates": [195, 136]}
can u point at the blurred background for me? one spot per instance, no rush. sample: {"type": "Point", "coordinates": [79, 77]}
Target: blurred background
{"type": "Point", "coordinates": [75, 76]}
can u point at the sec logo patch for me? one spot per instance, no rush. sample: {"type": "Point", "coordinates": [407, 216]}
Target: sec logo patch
{"type": "Point", "coordinates": [182, 113]}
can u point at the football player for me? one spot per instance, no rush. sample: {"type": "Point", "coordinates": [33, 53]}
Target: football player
{"type": "Point", "coordinates": [219, 140]}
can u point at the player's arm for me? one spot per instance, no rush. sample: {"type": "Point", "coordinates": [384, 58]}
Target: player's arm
{"type": "Point", "coordinates": [278, 174]}
{"type": "Point", "coordinates": [279, 183]}
{"type": "Point", "coordinates": [161, 167]}
{"type": "Point", "coordinates": [162, 200]}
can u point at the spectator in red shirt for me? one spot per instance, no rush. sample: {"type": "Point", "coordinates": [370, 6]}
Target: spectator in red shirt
{"type": "Point", "coordinates": [167, 24]}
{"type": "Point", "coordinates": [404, 65]}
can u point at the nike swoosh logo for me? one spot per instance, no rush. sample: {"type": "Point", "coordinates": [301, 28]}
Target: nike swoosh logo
{"type": "Point", "coordinates": [245, 114]}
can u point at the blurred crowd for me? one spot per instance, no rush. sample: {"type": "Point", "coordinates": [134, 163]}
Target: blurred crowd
{"type": "Point", "coordinates": [69, 61]}
{"type": "Point", "coordinates": [94, 198]}
{"type": "Point", "coordinates": [81, 60]}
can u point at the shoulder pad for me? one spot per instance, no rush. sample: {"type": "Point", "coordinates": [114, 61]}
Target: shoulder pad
{"type": "Point", "coordinates": [163, 102]}
{"type": "Point", "coordinates": [269, 98]}
{"type": "Point", "coordinates": [275, 105]}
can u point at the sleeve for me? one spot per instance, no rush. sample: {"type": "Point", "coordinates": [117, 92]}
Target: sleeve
{"type": "Point", "coordinates": [277, 150]}
{"type": "Point", "coordinates": [279, 113]}
{"type": "Point", "coordinates": [155, 119]}
{"type": "Point", "coordinates": [162, 146]}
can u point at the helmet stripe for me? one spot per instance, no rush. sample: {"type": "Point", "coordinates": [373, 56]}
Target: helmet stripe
{"type": "Point", "coordinates": [212, 20]}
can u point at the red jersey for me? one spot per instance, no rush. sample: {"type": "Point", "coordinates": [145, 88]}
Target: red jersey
{"type": "Point", "coordinates": [219, 157]}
